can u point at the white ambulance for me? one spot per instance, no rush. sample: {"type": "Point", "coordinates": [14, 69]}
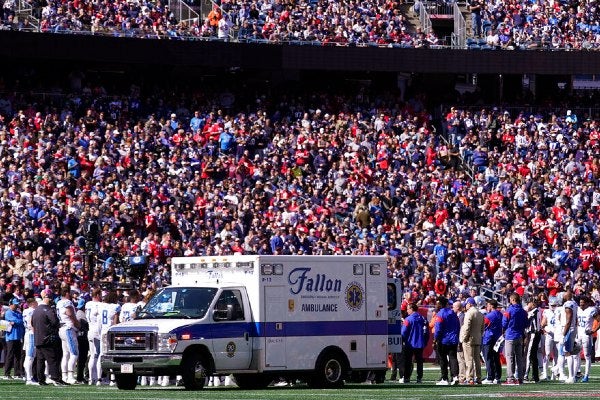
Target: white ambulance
{"type": "Point", "coordinates": [321, 319]}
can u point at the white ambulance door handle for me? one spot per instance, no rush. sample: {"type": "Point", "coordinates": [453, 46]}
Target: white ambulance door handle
{"type": "Point", "coordinates": [279, 326]}
{"type": "Point", "coordinates": [246, 336]}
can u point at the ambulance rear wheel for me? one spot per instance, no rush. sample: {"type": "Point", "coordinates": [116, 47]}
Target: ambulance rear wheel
{"type": "Point", "coordinates": [126, 381]}
{"type": "Point", "coordinates": [330, 371]}
{"type": "Point", "coordinates": [194, 372]}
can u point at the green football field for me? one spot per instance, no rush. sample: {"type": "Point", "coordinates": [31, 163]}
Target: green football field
{"type": "Point", "coordinates": [17, 390]}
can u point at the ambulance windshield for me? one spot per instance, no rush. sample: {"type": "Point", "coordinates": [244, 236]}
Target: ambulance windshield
{"type": "Point", "coordinates": [179, 302]}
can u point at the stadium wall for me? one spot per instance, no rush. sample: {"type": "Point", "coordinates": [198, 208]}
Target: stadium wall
{"type": "Point", "coordinates": [218, 54]}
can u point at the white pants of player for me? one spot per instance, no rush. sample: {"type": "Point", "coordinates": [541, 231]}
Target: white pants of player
{"type": "Point", "coordinates": [29, 348]}
{"type": "Point", "coordinates": [550, 352]}
{"type": "Point", "coordinates": [70, 352]}
{"type": "Point", "coordinates": [94, 360]}
{"type": "Point", "coordinates": [585, 343]}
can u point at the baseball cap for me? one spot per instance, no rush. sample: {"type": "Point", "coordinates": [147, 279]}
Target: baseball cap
{"type": "Point", "coordinates": [14, 300]}
{"type": "Point", "coordinates": [80, 303]}
{"type": "Point", "coordinates": [470, 301]}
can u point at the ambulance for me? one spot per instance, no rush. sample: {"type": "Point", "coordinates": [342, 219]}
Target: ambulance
{"type": "Point", "coordinates": [320, 319]}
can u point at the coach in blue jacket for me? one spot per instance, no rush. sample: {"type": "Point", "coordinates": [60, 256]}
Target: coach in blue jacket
{"type": "Point", "coordinates": [415, 334]}
{"type": "Point", "coordinates": [445, 336]}
{"type": "Point", "coordinates": [493, 330]}
{"type": "Point", "coordinates": [514, 323]}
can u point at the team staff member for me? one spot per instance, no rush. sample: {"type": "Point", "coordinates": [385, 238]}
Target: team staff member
{"type": "Point", "coordinates": [82, 340]}
{"type": "Point", "coordinates": [415, 335]}
{"type": "Point", "coordinates": [14, 339]}
{"type": "Point", "coordinates": [471, 334]}
{"type": "Point", "coordinates": [492, 332]}
{"type": "Point", "coordinates": [45, 331]}
{"type": "Point", "coordinates": [446, 330]}
{"type": "Point", "coordinates": [458, 309]}
{"type": "Point", "coordinates": [514, 323]}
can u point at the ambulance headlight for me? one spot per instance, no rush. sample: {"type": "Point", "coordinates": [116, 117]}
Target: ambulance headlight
{"type": "Point", "coordinates": [167, 342]}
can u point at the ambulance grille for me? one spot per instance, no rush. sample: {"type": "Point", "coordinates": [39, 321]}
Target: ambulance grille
{"type": "Point", "coordinates": [132, 341]}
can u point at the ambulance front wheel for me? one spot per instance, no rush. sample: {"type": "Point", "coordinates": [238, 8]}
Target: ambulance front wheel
{"type": "Point", "coordinates": [194, 371]}
{"type": "Point", "coordinates": [330, 370]}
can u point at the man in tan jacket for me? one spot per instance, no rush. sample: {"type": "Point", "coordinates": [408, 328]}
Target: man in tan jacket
{"type": "Point", "coordinates": [470, 336]}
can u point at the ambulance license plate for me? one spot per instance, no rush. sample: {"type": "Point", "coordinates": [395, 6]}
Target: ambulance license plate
{"type": "Point", "coordinates": [127, 368]}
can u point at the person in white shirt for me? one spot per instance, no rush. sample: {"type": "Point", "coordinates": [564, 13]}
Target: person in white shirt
{"type": "Point", "coordinates": [28, 342]}
{"type": "Point", "coordinates": [564, 335]}
{"type": "Point", "coordinates": [549, 345]}
{"type": "Point", "coordinates": [129, 309]}
{"type": "Point", "coordinates": [585, 322]}
{"type": "Point", "coordinates": [68, 335]}
{"type": "Point", "coordinates": [108, 316]}
{"type": "Point", "coordinates": [92, 312]}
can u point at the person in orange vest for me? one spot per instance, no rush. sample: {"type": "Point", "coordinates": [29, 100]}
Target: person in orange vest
{"type": "Point", "coordinates": [214, 16]}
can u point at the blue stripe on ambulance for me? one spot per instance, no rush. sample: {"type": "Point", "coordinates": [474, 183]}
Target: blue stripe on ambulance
{"type": "Point", "coordinates": [269, 329]}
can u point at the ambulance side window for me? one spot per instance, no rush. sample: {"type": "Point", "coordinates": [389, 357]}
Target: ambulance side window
{"type": "Point", "coordinates": [229, 306]}
{"type": "Point", "coordinates": [391, 292]}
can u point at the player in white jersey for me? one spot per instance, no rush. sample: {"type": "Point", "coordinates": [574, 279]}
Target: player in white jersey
{"type": "Point", "coordinates": [585, 320]}
{"type": "Point", "coordinates": [564, 335]}
{"type": "Point", "coordinates": [68, 335]}
{"type": "Point", "coordinates": [92, 313]}
{"type": "Point", "coordinates": [549, 346]}
{"type": "Point", "coordinates": [108, 316]}
{"type": "Point", "coordinates": [28, 342]}
{"type": "Point", "coordinates": [129, 309]}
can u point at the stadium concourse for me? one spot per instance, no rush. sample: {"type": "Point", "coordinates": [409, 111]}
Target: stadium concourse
{"type": "Point", "coordinates": [494, 200]}
{"type": "Point", "coordinates": [496, 24]}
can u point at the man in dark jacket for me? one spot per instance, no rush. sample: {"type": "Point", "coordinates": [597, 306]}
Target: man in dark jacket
{"type": "Point", "coordinates": [445, 336]}
{"type": "Point", "coordinates": [415, 334]}
{"type": "Point", "coordinates": [45, 333]}
{"type": "Point", "coordinates": [514, 323]}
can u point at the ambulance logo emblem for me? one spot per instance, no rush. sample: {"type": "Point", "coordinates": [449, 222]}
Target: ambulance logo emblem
{"type": "Point", "coordinates": [230, 349]}
{"type": "Point", "coordinates": [354, 296]}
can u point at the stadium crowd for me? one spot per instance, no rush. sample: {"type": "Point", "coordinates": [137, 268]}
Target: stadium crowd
{"type": "Point", "coordinates": [509, 201]}
{"type": "Point", "coordinates": [492, 200]}
{"type": "Point", "coordinates": [372, 22]}
{"type": "Point", "coordinates": [499, 24]}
